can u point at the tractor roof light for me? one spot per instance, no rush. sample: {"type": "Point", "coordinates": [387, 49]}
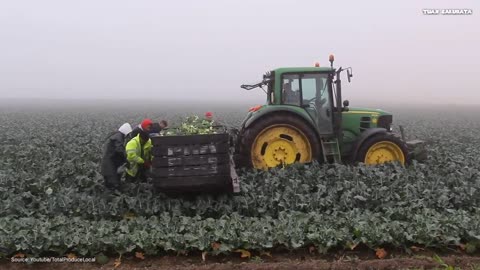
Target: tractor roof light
{"type": "Point", "coordinates": [331, 58]}
{"type": "Point", "coordinates": [317, 64]}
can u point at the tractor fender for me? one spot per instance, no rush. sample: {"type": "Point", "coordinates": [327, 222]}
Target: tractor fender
{"type": "Point", "coordinates": [279, 109]}
{"type": "Point", "coordinates": [362, 138]}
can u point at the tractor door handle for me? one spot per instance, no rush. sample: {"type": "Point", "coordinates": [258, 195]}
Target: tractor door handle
{"type": "Point", "coordinates": [328, 112]}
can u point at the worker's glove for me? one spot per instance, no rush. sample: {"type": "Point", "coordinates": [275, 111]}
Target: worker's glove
{"type": "Point", "coordinates": [121, 169]}
{"type": "Point", "coordinates": [147, 164]}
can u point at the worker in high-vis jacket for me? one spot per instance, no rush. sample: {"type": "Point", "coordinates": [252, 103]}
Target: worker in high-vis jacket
{"type": "Point", "coordinates": [139, 157]}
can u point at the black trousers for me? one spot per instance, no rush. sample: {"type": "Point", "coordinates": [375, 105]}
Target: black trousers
{"type": "Point", "coordinates": [141, 176]}
{"type": "Point", "coordinates": [112, 181]}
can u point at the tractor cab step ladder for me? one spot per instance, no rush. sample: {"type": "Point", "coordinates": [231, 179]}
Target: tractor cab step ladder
{"type": "Point", "coordinates": [331, 150]}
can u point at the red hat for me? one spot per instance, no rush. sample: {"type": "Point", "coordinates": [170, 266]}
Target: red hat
{"type": "Point", "coordinates": [145, 123]}
{"type": "Point", "coordinates": [208, 114]}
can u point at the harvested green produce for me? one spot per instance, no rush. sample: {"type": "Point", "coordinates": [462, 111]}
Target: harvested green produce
{"type": "Point", "coordinates": [192, 125]}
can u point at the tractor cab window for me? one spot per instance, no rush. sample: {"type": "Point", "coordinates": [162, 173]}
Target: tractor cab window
{"type": "Point", "coordinates": [291, 90]}
{"type": "Point", "coordinates": [311, 88]}
{"type": "Point", "coordinates": [315, 91]}
{"type": "Point", "coordinates": [311, 91]}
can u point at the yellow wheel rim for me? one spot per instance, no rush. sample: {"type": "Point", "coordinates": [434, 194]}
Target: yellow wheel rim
{"type": "Point", "coordinates": [280, 145]}
{"type": "Point", "coordinates": [383, 152]}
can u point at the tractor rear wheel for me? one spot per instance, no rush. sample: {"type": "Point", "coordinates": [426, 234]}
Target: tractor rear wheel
{"type": "Point", "coordinates": [383, 148]}
{"type": "Point", "coordinates": [279, 140]}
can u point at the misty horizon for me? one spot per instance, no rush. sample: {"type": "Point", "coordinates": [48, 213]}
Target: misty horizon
{"type": "Point", "coordinates": [203, 51]}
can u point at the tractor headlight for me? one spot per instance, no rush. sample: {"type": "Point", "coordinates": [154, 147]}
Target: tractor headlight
{"type": "Point", "coordinates": [385, 121]}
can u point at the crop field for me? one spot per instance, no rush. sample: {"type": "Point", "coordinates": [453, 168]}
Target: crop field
{"type": "Point", "coordinates": [53, 200]}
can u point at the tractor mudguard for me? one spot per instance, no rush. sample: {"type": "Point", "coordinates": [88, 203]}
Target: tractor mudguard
{"type": "Point", "coordinates": [298, 111]}
{"type": "Point", "coordinates": [362, 138]}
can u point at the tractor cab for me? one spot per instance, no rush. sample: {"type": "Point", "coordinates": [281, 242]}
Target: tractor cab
{"type": "Point", "coordinates": [312, 92]}
{"type": "Point", "coordinates": [309, 91]}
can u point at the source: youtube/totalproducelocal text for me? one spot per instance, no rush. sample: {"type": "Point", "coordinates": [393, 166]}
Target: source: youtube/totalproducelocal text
{"type": "Point", "coordinates": [52, 260]}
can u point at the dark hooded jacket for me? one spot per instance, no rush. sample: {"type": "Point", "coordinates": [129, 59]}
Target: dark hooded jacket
{"type": "Point", "coordinates": [114, 152]}
{"type": "Point", "coordinates": [133, 134]}
{"type": "Point", "coordinates": [156, 128]}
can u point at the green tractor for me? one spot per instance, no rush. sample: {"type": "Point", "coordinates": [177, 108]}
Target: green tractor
{"type": "Point", "coordinates": [305, 120]}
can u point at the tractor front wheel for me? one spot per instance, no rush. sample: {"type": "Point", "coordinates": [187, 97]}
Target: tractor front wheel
{"type": "Point", "coordinates": [279, 140]}
{"type": "Point", "coordinates": [383, 148]}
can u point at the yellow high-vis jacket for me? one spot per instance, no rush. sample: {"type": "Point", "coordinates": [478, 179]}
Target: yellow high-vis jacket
{"type": "Point", "coordinates": [137, 155]}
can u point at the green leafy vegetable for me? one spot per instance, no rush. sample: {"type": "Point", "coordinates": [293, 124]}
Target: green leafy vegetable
{"type": "Point", "coordinates": [54, 200]}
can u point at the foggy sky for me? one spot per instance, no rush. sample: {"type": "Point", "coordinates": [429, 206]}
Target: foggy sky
{"type": "Point", "coordinates": [204, 50]}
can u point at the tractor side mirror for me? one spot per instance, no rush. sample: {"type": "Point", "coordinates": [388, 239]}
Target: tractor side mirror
{"type": "Point", "coordinates": [346, 103]}
{"type": "Point", "coordinates": [349, 75]}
